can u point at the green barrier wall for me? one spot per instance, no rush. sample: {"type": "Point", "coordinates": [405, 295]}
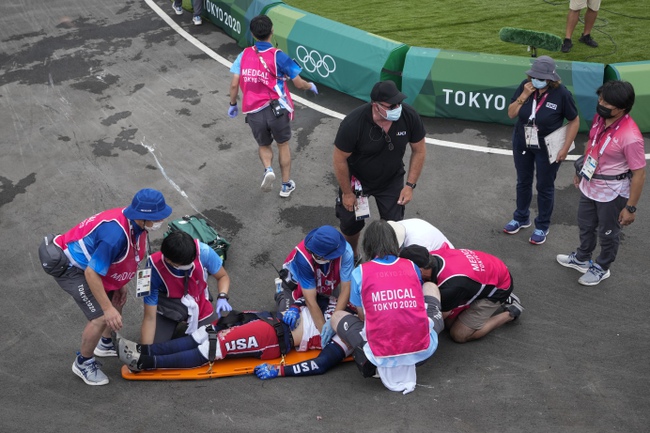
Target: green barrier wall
{"type": "Point", "coordinates": [475, 86]}
{"type": "Point", "coordinates": [338, 56]}
{"type": "Point", "coordinates": [234, 16]}
{"type": "Point", "coordinates": [439, 83]}
{"type": "Point", "coordinates": [638, 74]}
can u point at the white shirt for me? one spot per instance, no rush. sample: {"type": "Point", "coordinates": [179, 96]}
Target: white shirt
{"type": "Point", "coordinates": [420, 232]}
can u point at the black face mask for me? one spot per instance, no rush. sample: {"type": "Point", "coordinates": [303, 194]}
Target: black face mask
{"type": "Point", "coordinates": [604, 112]}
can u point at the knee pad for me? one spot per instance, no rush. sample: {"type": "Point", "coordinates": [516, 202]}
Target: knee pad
{"type": "Point", "coordinates": [367, 368]}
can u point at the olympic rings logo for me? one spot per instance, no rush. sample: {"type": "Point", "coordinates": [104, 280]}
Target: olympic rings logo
{"type": "Point", "coordinates": [313, 61]}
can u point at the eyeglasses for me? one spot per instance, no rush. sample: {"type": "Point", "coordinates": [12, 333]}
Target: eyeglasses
{"type": "Point", "coordinates": [390, 107]}
{"type": "Point", "coordinates": [321, 258]}
{"type": "Point", "coordinates": [376, 133]}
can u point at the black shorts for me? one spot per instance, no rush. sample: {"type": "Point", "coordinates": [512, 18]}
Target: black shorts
{"type": "Point", "coordinates": [387, 205]}
{"type": "Point", "coordinates": [266, 127]}
{"type": "Point", "coordinates": [74, 282]}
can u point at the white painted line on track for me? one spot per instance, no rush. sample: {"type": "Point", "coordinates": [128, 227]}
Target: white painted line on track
{"type": "Point", "coordinates": [201, 46]}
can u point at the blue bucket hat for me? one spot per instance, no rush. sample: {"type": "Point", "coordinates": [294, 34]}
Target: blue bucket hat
{"type": "Point", "coordinates": [148, 204]}
{"type": "Point", "coordinates": [326, 242]}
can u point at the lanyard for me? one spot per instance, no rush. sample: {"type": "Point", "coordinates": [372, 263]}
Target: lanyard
{"type": "Point", "coordinates": [277, 77]}
{"type": "Point", "coordinates": [535, 109]}
{"type": "Point", "coordinates": [281, 95]}
{"type": "Point", "coordinates": [356, 185]}
{"type": "Point", "coordinates": [613, 128]}
{"type": "Point", "coordinates": [136, 245]}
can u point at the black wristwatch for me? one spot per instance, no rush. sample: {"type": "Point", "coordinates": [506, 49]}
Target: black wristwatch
{"type": "Point", "coordinates": [631, 209]}
{"type": "Point", "coordinates": [412, 185]}
{"type": "Point", "coordinates": [233, 105]}
{"type": "Point", "coordinates": [223, 295]}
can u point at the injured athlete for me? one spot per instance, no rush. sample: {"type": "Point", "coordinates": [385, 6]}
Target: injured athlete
{"type": "Point", "coordinates": [251, 334]}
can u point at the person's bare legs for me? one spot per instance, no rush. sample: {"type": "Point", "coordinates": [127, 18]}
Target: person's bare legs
{"type": "Point", "coordinates": [571, 22]}
{"type": "Point", "coordinates": [284, 156]}
{"type": "Point", "coordinates": [91, 335]}
{"type": "Point", "coordinates": [590, 20]}
{"type": "Point", "coordinates": [266, 155]}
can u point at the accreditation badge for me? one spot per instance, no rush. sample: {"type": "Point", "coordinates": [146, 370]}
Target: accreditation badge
{"type": "Point", "coordinates": [589, 167]}
{"type": "Point", "coordinates": [143, 282]}
{"type": "Point", "coordinates": [362, 207]}
{"type": "Point", "coordinates": [532, 140]}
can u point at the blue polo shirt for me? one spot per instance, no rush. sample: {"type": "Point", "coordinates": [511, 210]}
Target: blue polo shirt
{"type": "Point", "coordinates": [210, 261]}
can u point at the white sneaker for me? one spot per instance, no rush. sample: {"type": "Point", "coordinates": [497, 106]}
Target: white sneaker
{"type": "Point", "coordinates": [287, 188]}
{"type": "Point", "coordinates": [177, 9]}
{"type": "Point", "coordinates": [197, 20]}
{"type": "Point", "coordinates": [267, 181]}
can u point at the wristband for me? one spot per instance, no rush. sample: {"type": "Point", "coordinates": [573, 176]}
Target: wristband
{"type": "Point", "coordinates": [233, 105]}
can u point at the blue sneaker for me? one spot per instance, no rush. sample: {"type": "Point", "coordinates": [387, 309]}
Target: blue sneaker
{"type": "Point", "coordinates": [267, 180]}
{"type": "Point", "coordinates": [178, 9]}
{"type": "Point", "coordinates": [197, 20]}
{"type": "Point", "coordinates": [287, 188]}
{"type": "Point", "coordinates": [514, 226]}
{"type": "Point", "coordinates": [538, 237]}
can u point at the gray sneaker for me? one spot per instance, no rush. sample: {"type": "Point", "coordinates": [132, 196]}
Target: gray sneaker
{"type": "Point", "coordinates": [594, 275]}
{"type": "Point", "coordinates": [128, 351]}
{"type": "Point", "coordinates": [89, 371]}
{"type": "Point", "coordinates": [513, 306]}
{"type": "Point", "coordinates": [105, 350]}
{"type": "Point", "coordinates": [570, 261]}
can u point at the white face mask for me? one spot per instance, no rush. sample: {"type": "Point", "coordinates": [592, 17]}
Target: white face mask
{"type": "Point", "coordinates": [155, 226]}
{"type": "Point", "coordinates": [185, 267]}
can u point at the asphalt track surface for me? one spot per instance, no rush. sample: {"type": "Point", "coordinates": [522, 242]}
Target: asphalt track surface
{"type": "Point", "coordinates": [100, 99]}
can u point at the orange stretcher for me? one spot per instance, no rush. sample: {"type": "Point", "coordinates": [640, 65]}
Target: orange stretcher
{"type": "Point", "coordinates": [220, 368]}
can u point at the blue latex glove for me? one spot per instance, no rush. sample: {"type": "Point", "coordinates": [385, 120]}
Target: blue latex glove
{"type": "Point", "coordinates": [222, 305]}
{"type": "Point", "coordinates": [266, 371]}
{"type": "Point", "coordinates": [326, 334]}
{"type": "Point", "coordinates": [313, 88]}
{"type": "Point", "coordinates": [233, 111]}
{"type": "Point", "coordinates": [291, 317]}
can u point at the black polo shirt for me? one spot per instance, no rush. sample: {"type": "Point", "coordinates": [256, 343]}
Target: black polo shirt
{"type": "Point", "coordinates": [372, 161]}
